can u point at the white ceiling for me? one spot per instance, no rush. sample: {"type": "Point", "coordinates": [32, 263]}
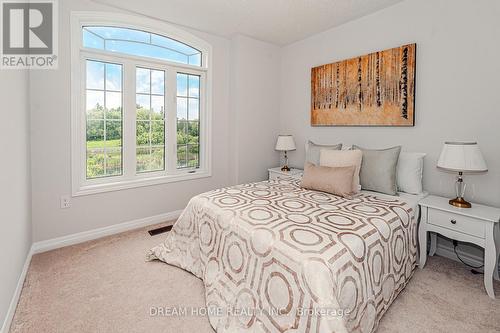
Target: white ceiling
{"type": "Point", "coordinates": [277, 21]}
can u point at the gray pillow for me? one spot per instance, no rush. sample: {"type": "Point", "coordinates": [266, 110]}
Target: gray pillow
{"type": "Point", "coordinates": [313, 151]}
{"type": "Point", "coordinates": [378, 169]}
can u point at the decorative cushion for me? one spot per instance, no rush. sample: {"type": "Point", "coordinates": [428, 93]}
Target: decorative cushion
{"type": "Point", "coordinates": [343, 158]}
{"type": "Point", "coordinates": [409, 172]}
{"type": "Point", "coordinates": [378, 170]}
{"type": "Point", "coordinates": [313, 151]}
{"type": "Point", "coordinates": [336, 181]}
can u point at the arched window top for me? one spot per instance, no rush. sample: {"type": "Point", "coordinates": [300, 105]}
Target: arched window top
{"type": "Point", "coordinates": [140, 43]}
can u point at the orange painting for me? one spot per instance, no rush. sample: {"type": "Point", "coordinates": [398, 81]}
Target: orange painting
{"type": "Point", "coordinates": [377, 89]}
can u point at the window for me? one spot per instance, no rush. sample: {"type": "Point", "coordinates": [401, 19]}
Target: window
{"type": "Point", "coordinates": [150, 120]}
{"type": "Point", "coordinates": [140, 103]}
{"type": "Point", "coordinates": [140, 43]}
{"type": "Point", "coordinates": [104, 119]}
{"type": "Point", "coordinates": [188, 121]}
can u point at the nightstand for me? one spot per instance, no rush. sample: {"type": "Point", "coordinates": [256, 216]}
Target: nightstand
{"type": "Point", "coordinates": [276, 173]}
{"type": "Point", "coordinates": [478, 225]}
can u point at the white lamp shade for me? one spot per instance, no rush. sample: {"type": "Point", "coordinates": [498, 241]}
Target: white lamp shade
{"type": "Point", "coordinates": [462, 157]}
{"type": "Point", "coordinates": [285, 142]}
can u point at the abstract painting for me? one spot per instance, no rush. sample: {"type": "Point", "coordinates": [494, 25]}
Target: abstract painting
{"type": "Point", "coordinates": [377, 89]}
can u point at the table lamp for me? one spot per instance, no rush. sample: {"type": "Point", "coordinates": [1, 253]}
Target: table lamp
{"type": "Point", "coordinates": [285, 143]}
{"type": "Point", "coordinates": [461, 157]}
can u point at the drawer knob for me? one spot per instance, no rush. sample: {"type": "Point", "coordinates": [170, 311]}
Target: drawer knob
{"type": "Point", "coordinates": [453, 221]}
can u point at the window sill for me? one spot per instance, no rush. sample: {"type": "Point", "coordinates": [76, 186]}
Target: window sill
{"type": "Point", "coordinates": [129, 184]}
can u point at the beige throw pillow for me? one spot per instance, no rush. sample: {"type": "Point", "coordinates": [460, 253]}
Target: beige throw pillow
{"type": "Point", "coordinates": [343, 158]}
{"type": "Point", "coordinates": [336, 181]}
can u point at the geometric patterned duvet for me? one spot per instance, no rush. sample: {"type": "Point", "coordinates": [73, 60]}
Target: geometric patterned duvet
{"type": "Point", "coordinates": [277, 258]}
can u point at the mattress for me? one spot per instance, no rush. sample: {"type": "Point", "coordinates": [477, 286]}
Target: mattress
{"type": "Point", "coordinates": [278, 258]}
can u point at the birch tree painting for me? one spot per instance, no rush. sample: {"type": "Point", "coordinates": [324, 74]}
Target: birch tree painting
{"type": "Point", "coordinates": [377, 89]}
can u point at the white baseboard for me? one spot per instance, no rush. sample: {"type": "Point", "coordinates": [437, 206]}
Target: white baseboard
{"type": "Point", "coordinates": [84, 236]}
{"type": "Point", "coordinates": [17, 293]}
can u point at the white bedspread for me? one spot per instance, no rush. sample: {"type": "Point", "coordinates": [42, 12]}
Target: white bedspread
{"type": "Point", "coordinates": [278, 258]}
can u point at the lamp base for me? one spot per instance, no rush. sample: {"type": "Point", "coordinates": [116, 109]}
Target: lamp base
{"type": "Point", "coordinates": [285, 168]}
{"type": "Point", "coordinates": [460, 203]}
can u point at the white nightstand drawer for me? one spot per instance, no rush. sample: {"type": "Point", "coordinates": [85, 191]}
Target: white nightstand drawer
{"type": "Point", "coordinates": [457, 222]}
{"type": "Point", "coordinates": [273, 176]}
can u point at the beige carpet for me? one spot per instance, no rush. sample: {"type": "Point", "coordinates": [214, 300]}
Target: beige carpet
{"type": "Point", "coordinates": [106, 286]}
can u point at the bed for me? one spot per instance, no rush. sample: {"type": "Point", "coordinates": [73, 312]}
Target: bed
{"type": "Point", "coordinates": [278, 258]}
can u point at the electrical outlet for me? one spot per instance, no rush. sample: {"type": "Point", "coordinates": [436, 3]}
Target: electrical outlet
{"type": "Point", "coordinates": [65, 202]}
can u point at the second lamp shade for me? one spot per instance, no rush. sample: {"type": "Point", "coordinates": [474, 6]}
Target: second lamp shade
{"type": "Point", "coordinates": [285, 142]}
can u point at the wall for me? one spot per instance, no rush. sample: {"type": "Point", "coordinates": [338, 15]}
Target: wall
{"type": "Point", "coordinates": [244, 130]}
{"type": "Point", "coordinates": [456, 85]}
{"type": "Point", "coordinates": [50, 95]}
{"type": "Point", "coordinates": [255, 68]}
{"type": "Point", "coordinates": [15, 197]}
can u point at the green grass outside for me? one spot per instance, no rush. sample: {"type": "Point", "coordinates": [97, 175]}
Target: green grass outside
{"type": "Point", "coordinates": [100, 144]}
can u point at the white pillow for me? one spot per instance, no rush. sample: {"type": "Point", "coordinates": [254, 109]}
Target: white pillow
{"type": "Point", "coordinates": [343, 158]}
{"type": "Point", "coordinates": [409, 172]}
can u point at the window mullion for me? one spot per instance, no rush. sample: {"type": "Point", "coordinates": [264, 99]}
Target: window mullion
{"type": "Point", "coordinates": [129, 126]}
{"type": "Point", "coordinates": [203, 122]}
{"type": "Point", "coordinates": [171, 120]}
{"type": "Point", "coordinates": [82, 120]}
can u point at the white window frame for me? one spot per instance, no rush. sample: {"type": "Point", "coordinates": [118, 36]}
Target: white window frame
{"type": "Point", "coordinates": [130, 179]}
